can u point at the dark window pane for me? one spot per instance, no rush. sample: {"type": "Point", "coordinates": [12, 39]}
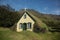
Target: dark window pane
{"type": "Point", "coordinates": [25, 16]}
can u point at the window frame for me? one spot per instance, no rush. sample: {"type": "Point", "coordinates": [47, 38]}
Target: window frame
{"type": "Point", "coordinates": [25, 16]}
{"type": "Point", "coordinates": [29, 25]}
{"type": "Point", "coordinates": [20, 26]}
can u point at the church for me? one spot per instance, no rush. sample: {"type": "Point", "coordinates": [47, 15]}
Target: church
{"type": "Point", "coordinates": [26, 22]}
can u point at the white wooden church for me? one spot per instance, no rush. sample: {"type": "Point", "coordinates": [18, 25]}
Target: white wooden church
{"type": "Point", "coordinates": [26, 22]}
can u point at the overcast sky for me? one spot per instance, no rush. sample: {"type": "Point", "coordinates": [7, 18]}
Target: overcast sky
{"type": "Point", "coordinates": [44, 6]}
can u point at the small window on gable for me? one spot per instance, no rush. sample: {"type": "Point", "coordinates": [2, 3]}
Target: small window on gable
{"type": "Point", "coordinates": [25, 16]}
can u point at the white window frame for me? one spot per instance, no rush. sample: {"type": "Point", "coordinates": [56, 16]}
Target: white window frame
{"type": "Point", "coordinates": [20, 25]}
{"type": "Point", "coordinates": [29, 25]}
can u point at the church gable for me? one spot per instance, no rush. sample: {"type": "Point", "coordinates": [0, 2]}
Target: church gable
{"type": "Point", "coordinates": [26, 18]}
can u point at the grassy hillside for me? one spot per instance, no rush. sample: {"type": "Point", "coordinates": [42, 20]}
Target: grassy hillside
{"type": "Point", "coordinates": [7, 34]}
{"type": "Point", "coordinates": [38, 21]}
{"type": "Point", "coordinates": [8, 17]}
{"type": "Point", "coordinates": [45, 20]}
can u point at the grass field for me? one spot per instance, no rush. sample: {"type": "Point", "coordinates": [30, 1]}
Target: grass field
{"type": "Point", "coordinates": [7, 34]}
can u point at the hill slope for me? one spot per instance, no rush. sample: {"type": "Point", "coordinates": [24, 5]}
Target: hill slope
{"type": "Point", "coordinates": [7, 34]}
{"type": "Point", "coordinates": [9, 17]}
{"type": "Point", "coordinates": [44, 20]}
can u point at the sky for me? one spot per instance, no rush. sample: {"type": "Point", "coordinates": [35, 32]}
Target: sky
{"type": "Point", "coordinates": [43, 6]}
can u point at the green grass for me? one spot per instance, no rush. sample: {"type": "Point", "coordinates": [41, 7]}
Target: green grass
{"type": "Point", "coordinates": [7, 34]}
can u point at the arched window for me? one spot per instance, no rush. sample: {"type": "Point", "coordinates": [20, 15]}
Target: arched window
{"type": "Point", "coordinates": [20, 25]}
{"type": "Point", "coordinates": [29, 25]}
{"type": "Point", "coordinates": [25, 16]}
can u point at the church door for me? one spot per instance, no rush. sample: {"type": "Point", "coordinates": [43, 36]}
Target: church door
{"type": "Point", "coordinates": [24, 26]}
